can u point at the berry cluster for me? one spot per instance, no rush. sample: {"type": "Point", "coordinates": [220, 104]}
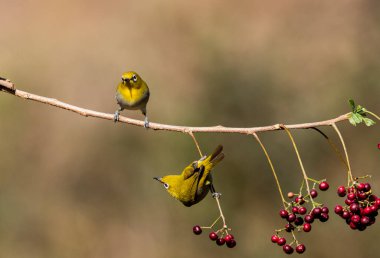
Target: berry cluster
{"type": "Point", "coordinates": [299, 219]}
{"type": "Point", "coordinates": [224, 238]}
{"type": "Point", "coordinates": [361, 206]}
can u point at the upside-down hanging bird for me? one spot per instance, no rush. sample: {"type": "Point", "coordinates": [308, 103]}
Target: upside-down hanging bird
{"type": "Point", "coordinates": [132, 93]}
{"type": "Point", "coordinates": [195, 181]}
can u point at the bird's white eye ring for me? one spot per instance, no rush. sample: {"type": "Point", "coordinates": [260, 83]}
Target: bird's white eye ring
{"type": "Point", "coordinates": [134, 78]}
{"type": "Point", "coordinates": [166, 185]}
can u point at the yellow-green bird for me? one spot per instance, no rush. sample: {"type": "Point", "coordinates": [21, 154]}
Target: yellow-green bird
{"type": "Point", "coordinates": [132, 93]}
{"type": "Point", "coordinates": [195, 181]}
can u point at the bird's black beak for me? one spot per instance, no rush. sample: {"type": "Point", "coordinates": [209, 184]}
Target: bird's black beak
{"type": "Point", "coordinates": [158, 179]}
{"type": "Point", "coordinates": [125, 80]}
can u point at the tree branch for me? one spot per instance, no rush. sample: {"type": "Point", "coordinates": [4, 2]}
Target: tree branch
{"type": "Point", "coordinates": [8, 87]}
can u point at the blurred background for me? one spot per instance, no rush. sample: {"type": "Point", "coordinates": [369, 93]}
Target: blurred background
{"type": "Point", "coordinates": [72, 186]}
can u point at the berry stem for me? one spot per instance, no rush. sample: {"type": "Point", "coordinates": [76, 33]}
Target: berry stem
{"type": "Point", "coordinates": [272, 168]}
{"type": "Point", "coordinates": [315, 181]}
{"type": "Point", "coordinates": [294, 239]}
{"type": "Point", "coordinates": [333, 146]}
{"type": "Point", "coordinates": [196, 143]}
{"type": "Point", "coordinates": [213, 224]}
{"type": "Point", "coordinates": [300, 162]}
{"type": "Point", "coordinates": [302, 186]}
{"type": "Point", "coordinates": [350, 177]}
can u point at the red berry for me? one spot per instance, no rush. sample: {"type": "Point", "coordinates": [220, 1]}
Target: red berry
{"type": "Point", "coordinates": [284, 214]}
{"type": "Point", "coordinates": [295, 209]}
{"type": "Point", "coordinates": [220, 241]}
{"type": "Point", "coordinates": [346, 215]}
{"type": "Point", "coordinates": [361, 195]}
{"type": "Point", "coordinates": [197, 230]}
{"type": "Point", "coordinates": [364, 220]}
{"type": "Point", "coordinates": [360, 186]}
{"type": "Point", "coordinates": [324, 217]}
{"type": "Point", "coordinates": [231, 243]}
{"type": "Point", "coordinates": [300, 248]}
{"type": "Point", "coordinates": [302, 210]}
{"type": "Point", "coordinates": [325, 210]}
{"type": "Point", "coordinates": [309, 218]}
{"type": "Point", "coordinates": [341, 191]}
{"type": "Point", "coordinates": [317, 211]}
{"type": "Point", "coordinates": [354, 207]}
{"type": "Point", "coordinates": [367, 210]}
{"type": "Point", "coordinates": [228, 237]}
{"type": "Point", "coordinates": [355, 219]}
{"type": "Point", "coordinates": [281, 241]}
{"type": "Point", "coordinates": [373, 209]}
{"type": "Point", "coordinates": [352, 225]}
{"type": "Point", "coordinates": [213, 236]}
{"type": "Point", "coordinates": [338, 209]}
{"type": "Point", "coordinates": [323, 186]}
{"type": "Point", "coordinates": [291, 217]}
{"type": "Point", "coordinates": [306, 227]}
{"type": "Point", "coordinates": [351, 196]}
{"type": "Point", "coordinates": [367, 187]}
{"type": "Point", "coordinates": [274, 238]}
{"type": "Point", "coordinates": [313, 193]}
{"type": "Point", "coordinates": [377, 203]}
{"type": "Point", "coordinates": [288, 249]}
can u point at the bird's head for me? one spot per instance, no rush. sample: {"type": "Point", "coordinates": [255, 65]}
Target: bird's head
{"type": "Point", "coordinates": [131, 79]}
{"type": "Point", "coordinates": [171, 183]}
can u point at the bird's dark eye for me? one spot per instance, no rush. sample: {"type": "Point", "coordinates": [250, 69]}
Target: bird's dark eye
{"type": "Point", "coordinates": [134, 78]}
{"type": "Point", "coordinates": [166, 185]}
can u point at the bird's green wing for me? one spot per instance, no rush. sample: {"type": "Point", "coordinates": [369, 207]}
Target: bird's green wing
{"type": "Point", "coordinates": [201, 171]}
{"type": "Point", "coordinates": [189, 171]}
{"type": "Point", "coordinates": [193, 180]}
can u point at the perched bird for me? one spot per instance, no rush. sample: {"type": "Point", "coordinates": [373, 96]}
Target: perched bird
{"type": "Point", "coordinates": [195, 181]}
{"type": "Point", "coordinates": [132, 93]}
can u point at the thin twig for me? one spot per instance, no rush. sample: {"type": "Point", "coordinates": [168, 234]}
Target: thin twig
{"type": "Point", "coordinates": [345, 152]}
{"type": "Point", "coordinates": [7, 87]}
{"type": "Point", "coordinates": [272, 167]}
{"type": "Point", "coordinates": [300, 162]}
{"type": "Point", "coordinates": [373, 114]}
{"type": "Point", "coordinates": [196, 142]}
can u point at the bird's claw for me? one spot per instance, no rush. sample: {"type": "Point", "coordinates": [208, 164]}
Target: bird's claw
{"type": "Point", "coordinates": [146, 123]}
{"type": "Point", "coordinates": [116, 116]}
{"type": "Point", "coordinates": [216, 195]}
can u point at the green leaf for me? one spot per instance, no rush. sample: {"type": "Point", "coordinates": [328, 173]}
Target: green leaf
{"type": "Point", "coordinates": [352, 104]}
{"type": "Point", "coordinates": [357, 118]}
{"type": "Point", "coordinates": [368, 122]}
{"type": "Point", "coordinates": [352, 121]}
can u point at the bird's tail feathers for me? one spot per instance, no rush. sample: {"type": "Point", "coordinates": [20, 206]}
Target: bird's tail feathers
{"type": "Point", "coordinates": [214, 158]}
